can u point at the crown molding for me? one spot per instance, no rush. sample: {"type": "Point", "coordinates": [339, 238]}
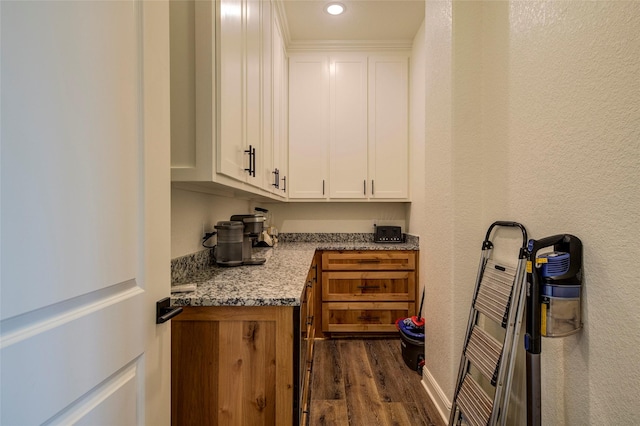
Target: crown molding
{"type": "Point", "coordinates": [349, 45]}
{"type": "Point", "coordinates": [281, 17]}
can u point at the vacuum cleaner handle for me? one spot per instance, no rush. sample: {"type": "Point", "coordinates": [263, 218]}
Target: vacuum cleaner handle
{"type": "Point", "coordinates": [533, 338]}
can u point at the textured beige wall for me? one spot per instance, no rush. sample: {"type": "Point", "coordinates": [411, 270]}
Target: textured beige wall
{"type": "Point", "coordinates": [435, 223]}
{"type": "Point", "coordinates": [533, 114]}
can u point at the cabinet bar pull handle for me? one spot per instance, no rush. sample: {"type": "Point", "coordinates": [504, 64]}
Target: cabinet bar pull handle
{"type": "Point", "coordinates": [364, 184]}
{"type": "Point", "coordinates": [284, 181]}
{"type": "Point", "coordinates": [253, 172]}
{"type": "Point", "coordinates": [310, 320]}
{"type": "Point", "coordinates": [368, 318]}
{"type": "Point", "coordinates": [372, 190]}
{"type": "Point", "coordinates": [368, 286]}
{"type": "Point", "coordinates": [322, 186]}
{"type": "Point", "coordinates": [276, 183]}
{"type": "Point", "coordinates": [249, 151]}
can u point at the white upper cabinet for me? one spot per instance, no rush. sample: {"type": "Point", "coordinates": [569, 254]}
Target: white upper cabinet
{"type": "Point", "coordinates": [389, 127]}
{"type": "Point", "coordinates": [242, 63]}
{"type": "Point", "coordinates": [303, 125]}
{"type": "Point", "coordinates": [279, 168]}
{"type": "Point", "coordinates": [308, 126]}
{"type": "Point", "coordinates": [349, 129]}
{"type": "Point", "coordinates": [222, 95]}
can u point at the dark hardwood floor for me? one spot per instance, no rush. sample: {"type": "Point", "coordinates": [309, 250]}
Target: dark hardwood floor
{"type": "Point", "coordinates": [366, 382]}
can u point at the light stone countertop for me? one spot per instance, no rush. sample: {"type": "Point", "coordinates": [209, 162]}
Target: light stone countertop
{"type": "Point", "coordinates": [278, 282]}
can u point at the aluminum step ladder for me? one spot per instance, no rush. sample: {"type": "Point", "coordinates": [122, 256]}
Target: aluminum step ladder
{"type": "Point", "coordinates": [488, 356]}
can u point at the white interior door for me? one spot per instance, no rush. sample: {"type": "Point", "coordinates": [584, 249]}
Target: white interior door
{"type": "Point", "coordinates": [85, 212]}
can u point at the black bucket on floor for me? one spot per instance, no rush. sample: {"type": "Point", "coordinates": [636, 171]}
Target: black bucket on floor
{"type": "Point", "coordinates": [412, 345]}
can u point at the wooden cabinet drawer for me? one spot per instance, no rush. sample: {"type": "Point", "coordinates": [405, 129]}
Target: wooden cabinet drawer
{"type": "Point", "coordinates": [364, 316]}
{"type": "Point", "coordinates": [368, 286]}
{"type": "Point", "coordinates": [368, 260]}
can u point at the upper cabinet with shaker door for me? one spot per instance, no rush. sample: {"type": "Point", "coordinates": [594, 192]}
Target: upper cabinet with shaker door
{"type": "Point", "coordinates": [348, 140]}
{"type": "Point", "coordinates": [221, 83]}
{"type": "Point", "coordinates": [243, 60]}
{"type": "Point", "coordinates": [308, 126]}
{"type": "Point", "coordinates": [388, 117]}
{"type": "Point", "coordinates": [276, 171]}
{"type": "Point", "coordinates": [348, 121]}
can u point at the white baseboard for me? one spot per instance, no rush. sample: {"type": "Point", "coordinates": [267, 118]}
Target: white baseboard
{"type": "Point", "coordinates": [436, 394]}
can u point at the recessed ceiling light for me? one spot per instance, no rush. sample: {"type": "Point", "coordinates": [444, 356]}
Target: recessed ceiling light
{"type": "Point", "coordinates": [335, 8]}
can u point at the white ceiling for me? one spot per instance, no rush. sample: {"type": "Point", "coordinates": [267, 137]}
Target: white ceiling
{"type": "Point", "coordinates": [375, 20]}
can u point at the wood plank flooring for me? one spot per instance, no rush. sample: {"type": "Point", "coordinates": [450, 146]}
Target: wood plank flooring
{"type": "Point", "coordinates": [366, 382]}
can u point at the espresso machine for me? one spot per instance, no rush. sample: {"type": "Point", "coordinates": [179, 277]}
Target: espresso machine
{"type": "Point", "coordinates": [253, 226]}
{"type": "Point", "coordinates": [228, 251]}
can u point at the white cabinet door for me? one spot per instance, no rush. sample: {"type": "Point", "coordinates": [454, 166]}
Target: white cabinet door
{"type": "Point", "coordinates": [256, 63]}
{"type": "Point", "coordinates": [308, 126]}
{"type": "Point", "coordinates": [348, 126]}
{"type": "Point", "coordinates": [240, 102]}
{"type": "Point", "coordinates": [279, 123]}
{"type": "Point", "coordinates": [85, 213]}
{"type": "Point", "coordinates": [265, 162]}
{"type": "Point", "coordinates": [232, 159]}
{"type": "Point", "coordinates": [388, 127]}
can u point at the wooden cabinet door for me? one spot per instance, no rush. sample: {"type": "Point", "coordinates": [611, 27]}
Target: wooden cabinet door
{"type": "Point", "coordinates": [366, 291]}
{"type": "Point", "coordinates": [232, 365]}
{"type": "Point", "coordinates": [389, 127]}
{"type": "Point", "coordinates": [308, 126]}
{"type": "Point", "coordinates": [348, 124]}
{"type": "Point", "coordinates": [368, 286]}
{"type": "Point", "coordinates": [364, 316]}
{"type": "Point", "coordinates": [368, 260]}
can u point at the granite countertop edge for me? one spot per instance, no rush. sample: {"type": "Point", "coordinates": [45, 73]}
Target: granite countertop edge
{"type": "Point", "coordinates": [278, 282]}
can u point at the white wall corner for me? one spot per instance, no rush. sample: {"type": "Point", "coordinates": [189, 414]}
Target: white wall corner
{"type": "Point", "coordinates": [438, 397]}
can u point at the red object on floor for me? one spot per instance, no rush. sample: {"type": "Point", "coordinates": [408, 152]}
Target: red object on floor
{"type": "Point", "coordinates": [419, 322]}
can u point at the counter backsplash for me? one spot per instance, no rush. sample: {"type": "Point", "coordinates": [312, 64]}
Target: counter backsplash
{"type": "Point", "coordinates": [183, 266]}
{"type": "Point", "coordinates": [334, 238]}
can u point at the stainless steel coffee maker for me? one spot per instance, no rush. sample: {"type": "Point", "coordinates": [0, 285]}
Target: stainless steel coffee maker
{"type": "Point", "coordinates": [253, 226]}
{"type": "Point", "coordinates": [228, 251]}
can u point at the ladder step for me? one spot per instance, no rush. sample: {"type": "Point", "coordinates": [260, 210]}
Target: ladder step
{"type": "Point", "coordinates": [494, 292]}
{"type": "Point", "coordinates": [474, 404]}
{"type": "Point", "coordinates": [484, 353]}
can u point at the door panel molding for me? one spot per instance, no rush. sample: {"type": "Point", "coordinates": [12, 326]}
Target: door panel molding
{"type": "Point", "coordinates": [111, 402]}
{"type": "Point", "coordinates": [21, 327]}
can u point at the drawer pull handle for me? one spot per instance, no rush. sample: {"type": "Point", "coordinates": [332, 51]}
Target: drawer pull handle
{"type": "Point", "coordinates": [365, 287]}
{"type": "Point", "coordinates": [367, 318]}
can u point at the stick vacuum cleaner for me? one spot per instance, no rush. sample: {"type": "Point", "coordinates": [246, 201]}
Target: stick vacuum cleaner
{"type": "Point", "coordinates": [554, 288]}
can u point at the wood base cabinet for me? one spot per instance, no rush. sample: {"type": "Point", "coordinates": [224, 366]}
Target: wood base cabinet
{"type": "Point", "coordinates": [234, 366]}
{"type": "Point", "coordinates": [367, 291]}
{"type": "Point", "coordinates": [307, 336]}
